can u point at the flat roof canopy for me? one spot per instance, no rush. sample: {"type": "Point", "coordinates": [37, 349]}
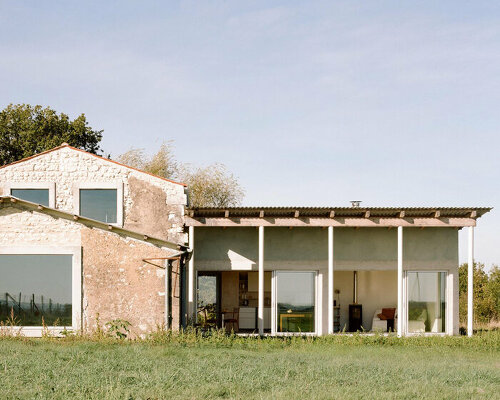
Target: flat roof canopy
{"type": "Point", "coordinates": [335, 216]}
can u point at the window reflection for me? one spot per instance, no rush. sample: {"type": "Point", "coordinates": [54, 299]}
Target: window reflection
{"type": "Point", "coordinates": [99, 204]}
{"type": "Point", "coordinates": [33, 287]}
{"type": "Point", "coordinates": [426, 302]}
{"type": "Point", "coordinates": [38, 196]}
{"type": "Point", "coordinates": [295, 301]}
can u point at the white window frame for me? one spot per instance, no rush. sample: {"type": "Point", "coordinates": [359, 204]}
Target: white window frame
{"type": "Point", "coordinates": [274, 314]}
{"type": "Point", "coordinates": [50, 186]}
{"type": "Point", "coordinates": [76, 285]}
{"type": "Point", "coordinates": [118, 186]}
{"type": "Point", "coordinates": [448, 322]}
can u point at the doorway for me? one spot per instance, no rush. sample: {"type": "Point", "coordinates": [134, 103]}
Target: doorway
{"type": "Point", "coordinates": [208, 298]}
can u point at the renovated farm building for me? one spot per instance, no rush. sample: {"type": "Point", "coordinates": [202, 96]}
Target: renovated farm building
{"type": "Point", "coordinates": [85, 240]}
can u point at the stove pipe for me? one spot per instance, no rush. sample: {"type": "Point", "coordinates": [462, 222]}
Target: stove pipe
{"type": "Point", "coordinates": [355, 288]}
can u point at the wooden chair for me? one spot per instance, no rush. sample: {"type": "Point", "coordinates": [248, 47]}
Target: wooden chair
{"type": "Point", "coordinates": [232, 320]}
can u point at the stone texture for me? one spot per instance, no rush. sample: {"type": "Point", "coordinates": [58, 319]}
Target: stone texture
{"type": "Point", "coordinates": [119, 284]}
{"type": "Point", "coordinates": [67, 166]}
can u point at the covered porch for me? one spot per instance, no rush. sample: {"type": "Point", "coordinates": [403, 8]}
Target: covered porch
{"type": "Point", "coordinates": [321, 271]}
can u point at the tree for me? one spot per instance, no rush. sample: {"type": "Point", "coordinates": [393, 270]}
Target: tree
{"type": "Point", "coordinates": [486, 293]}
{"type": "Point", "coordinates": [162, 163]}
{"type": "Point", "coordinates": [210, 186]}
{"type": "Point", "coordinates": [26, 130]}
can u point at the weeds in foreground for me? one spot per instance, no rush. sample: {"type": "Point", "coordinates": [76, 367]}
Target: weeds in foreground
{"type": "Point", "coordinates": [218, 338]}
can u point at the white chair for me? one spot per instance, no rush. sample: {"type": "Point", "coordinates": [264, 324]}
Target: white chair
{"type": "Point", "coordinates": [380, 325]}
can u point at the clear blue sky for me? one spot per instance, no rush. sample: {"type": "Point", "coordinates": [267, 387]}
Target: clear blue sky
{"type": "Point", "coordinates": [308, 102]}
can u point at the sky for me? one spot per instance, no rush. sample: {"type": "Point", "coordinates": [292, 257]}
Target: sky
{"type": "Point", "coordinates": [310, 103]}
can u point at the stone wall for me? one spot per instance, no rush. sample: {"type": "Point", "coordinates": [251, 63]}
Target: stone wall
{"type": "Point", "coordinates": [21, 227]}
{"type": "Point", "coordinates": [117, 282]}
{"type": "Point", "coordinates": [151, 205]}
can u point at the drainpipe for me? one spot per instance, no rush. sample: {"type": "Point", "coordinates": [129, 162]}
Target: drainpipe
{"type": "Point", "coordinates": [168, 293]}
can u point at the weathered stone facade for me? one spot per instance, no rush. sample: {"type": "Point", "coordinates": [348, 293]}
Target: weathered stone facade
{"type": "Point", "coordinates": [151, 205]}
{"type": "Point", "coordinates": [117, 280]}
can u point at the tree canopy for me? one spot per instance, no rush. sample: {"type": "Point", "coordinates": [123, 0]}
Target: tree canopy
{"type": "Point", "coordinates": [486, 293]}
{"type": "Point", "coordinates": [26, 130]}
{"type": "Point", "coordinates": [208, 186]}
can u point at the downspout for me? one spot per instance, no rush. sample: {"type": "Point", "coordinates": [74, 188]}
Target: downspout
{"type": "Point", "coordinates": [166, 267]}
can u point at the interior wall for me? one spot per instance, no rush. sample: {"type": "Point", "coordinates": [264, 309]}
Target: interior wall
{"type": "Point", "coordinates": [230, 290]}
{"type": "Point", "coordinates": [376, 290]}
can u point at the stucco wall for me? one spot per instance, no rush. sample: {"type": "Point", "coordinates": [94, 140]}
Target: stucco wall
{"type": "Point", "coordinates": [67, 167]}
{"type": "Point", "coordinates": [360, 249]}
{"type": "Point", "coordinates": [118, 284]}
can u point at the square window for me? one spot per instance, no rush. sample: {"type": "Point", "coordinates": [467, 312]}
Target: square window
{"type": "Point", "coordinates": [99, 204]}
{"type": "Point", "coordinates": [38, 196]}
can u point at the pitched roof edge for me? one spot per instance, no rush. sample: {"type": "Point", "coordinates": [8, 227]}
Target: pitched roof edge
{"type": "Point", "coordinates": [95, 155]}
{"type": "Point", "coordinates": [13, 201]}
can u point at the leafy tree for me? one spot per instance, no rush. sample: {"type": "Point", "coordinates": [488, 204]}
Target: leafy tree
{"type": "Point", "coordinates": [486, 293]}
{"type": "Point", "coordinates": [162, 163]}
{"type": "Point", "coordinates": [210, 186]}
{"type": "Point", "coordinates": [26, 130]}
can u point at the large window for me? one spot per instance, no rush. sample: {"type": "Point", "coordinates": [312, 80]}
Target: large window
{"type": "Point", "coordinates": [38, 196]}
{"type": "Point", "coordinates": [295, 301]}
{"type": "Point", "coordinates": [99, 204]}
{"type": "Point", "coordinates": [426, 302]}
{"type": "Point", "coordinates": [36, 289]}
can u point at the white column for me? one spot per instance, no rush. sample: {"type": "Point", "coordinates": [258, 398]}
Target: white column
{"type": "Point", "coordinates": [401, 313]}
{"type": "Point", "coordinates": [261, 281]}
{"type": "Point", "coordinates": [191, 281]}
{"type": "Point", "coordinates": [470, 283]}
{"type": "Point", "coordinates": [330, 280]}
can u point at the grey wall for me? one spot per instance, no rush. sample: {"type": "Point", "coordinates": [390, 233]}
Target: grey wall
{"type": "Point", "coordinates": [360, 249]}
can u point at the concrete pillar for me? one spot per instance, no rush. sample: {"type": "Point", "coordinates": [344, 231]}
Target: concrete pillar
{"type": "Point", "coordinates": [401, 313]}
{"type": "Point", "coordinates": [470, 284]}
{"type": "Point", "coordinates": [261, 281]}
{"type": "Point", "coordinates": [191, 279]}
{"type": "Point", "coordinates": [330, 280]}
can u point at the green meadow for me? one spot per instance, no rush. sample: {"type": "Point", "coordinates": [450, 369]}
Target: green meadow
{"type": "Point", "coordinates": [189, 366]}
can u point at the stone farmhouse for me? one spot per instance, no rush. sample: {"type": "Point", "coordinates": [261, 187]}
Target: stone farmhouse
{"type": "Point", "coordinates": [85, 240]}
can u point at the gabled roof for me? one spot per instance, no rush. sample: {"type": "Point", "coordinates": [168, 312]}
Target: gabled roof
{"type": "Point", "coordinates": [11, 201]}
{"type": "Point", "coordinates": [93, 155]}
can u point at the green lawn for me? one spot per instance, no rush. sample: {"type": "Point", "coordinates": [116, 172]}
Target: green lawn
{"type": "Point", "coordinates": [343, 367]}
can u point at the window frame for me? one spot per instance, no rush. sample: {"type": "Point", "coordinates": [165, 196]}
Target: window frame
{"type": "Point", "coordinates": [76, 285]}
{"type": "Point", "coordinates": [448, 320]}
{"type": "Point", "coordinates": [274, 303]}
{"type": "Point", "coordinates": [118, 186]}
{"type": "Point", "coordinates": [50, 186]}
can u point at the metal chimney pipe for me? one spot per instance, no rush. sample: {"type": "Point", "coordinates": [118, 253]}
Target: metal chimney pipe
{"type": "Point", "coordinates": [355, 288]}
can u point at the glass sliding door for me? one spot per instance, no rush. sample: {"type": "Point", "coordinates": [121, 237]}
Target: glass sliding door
{"type": "Point", "coordinates": [426, 293]}
{"type": "Point", "coordinates": [295, 301]}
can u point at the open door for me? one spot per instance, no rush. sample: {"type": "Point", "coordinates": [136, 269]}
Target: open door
{"type": "Point", "coordinates": [208, 299]}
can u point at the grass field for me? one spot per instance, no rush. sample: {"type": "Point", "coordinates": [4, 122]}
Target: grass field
{"type": "Point", "coordinates": [220, 367]}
